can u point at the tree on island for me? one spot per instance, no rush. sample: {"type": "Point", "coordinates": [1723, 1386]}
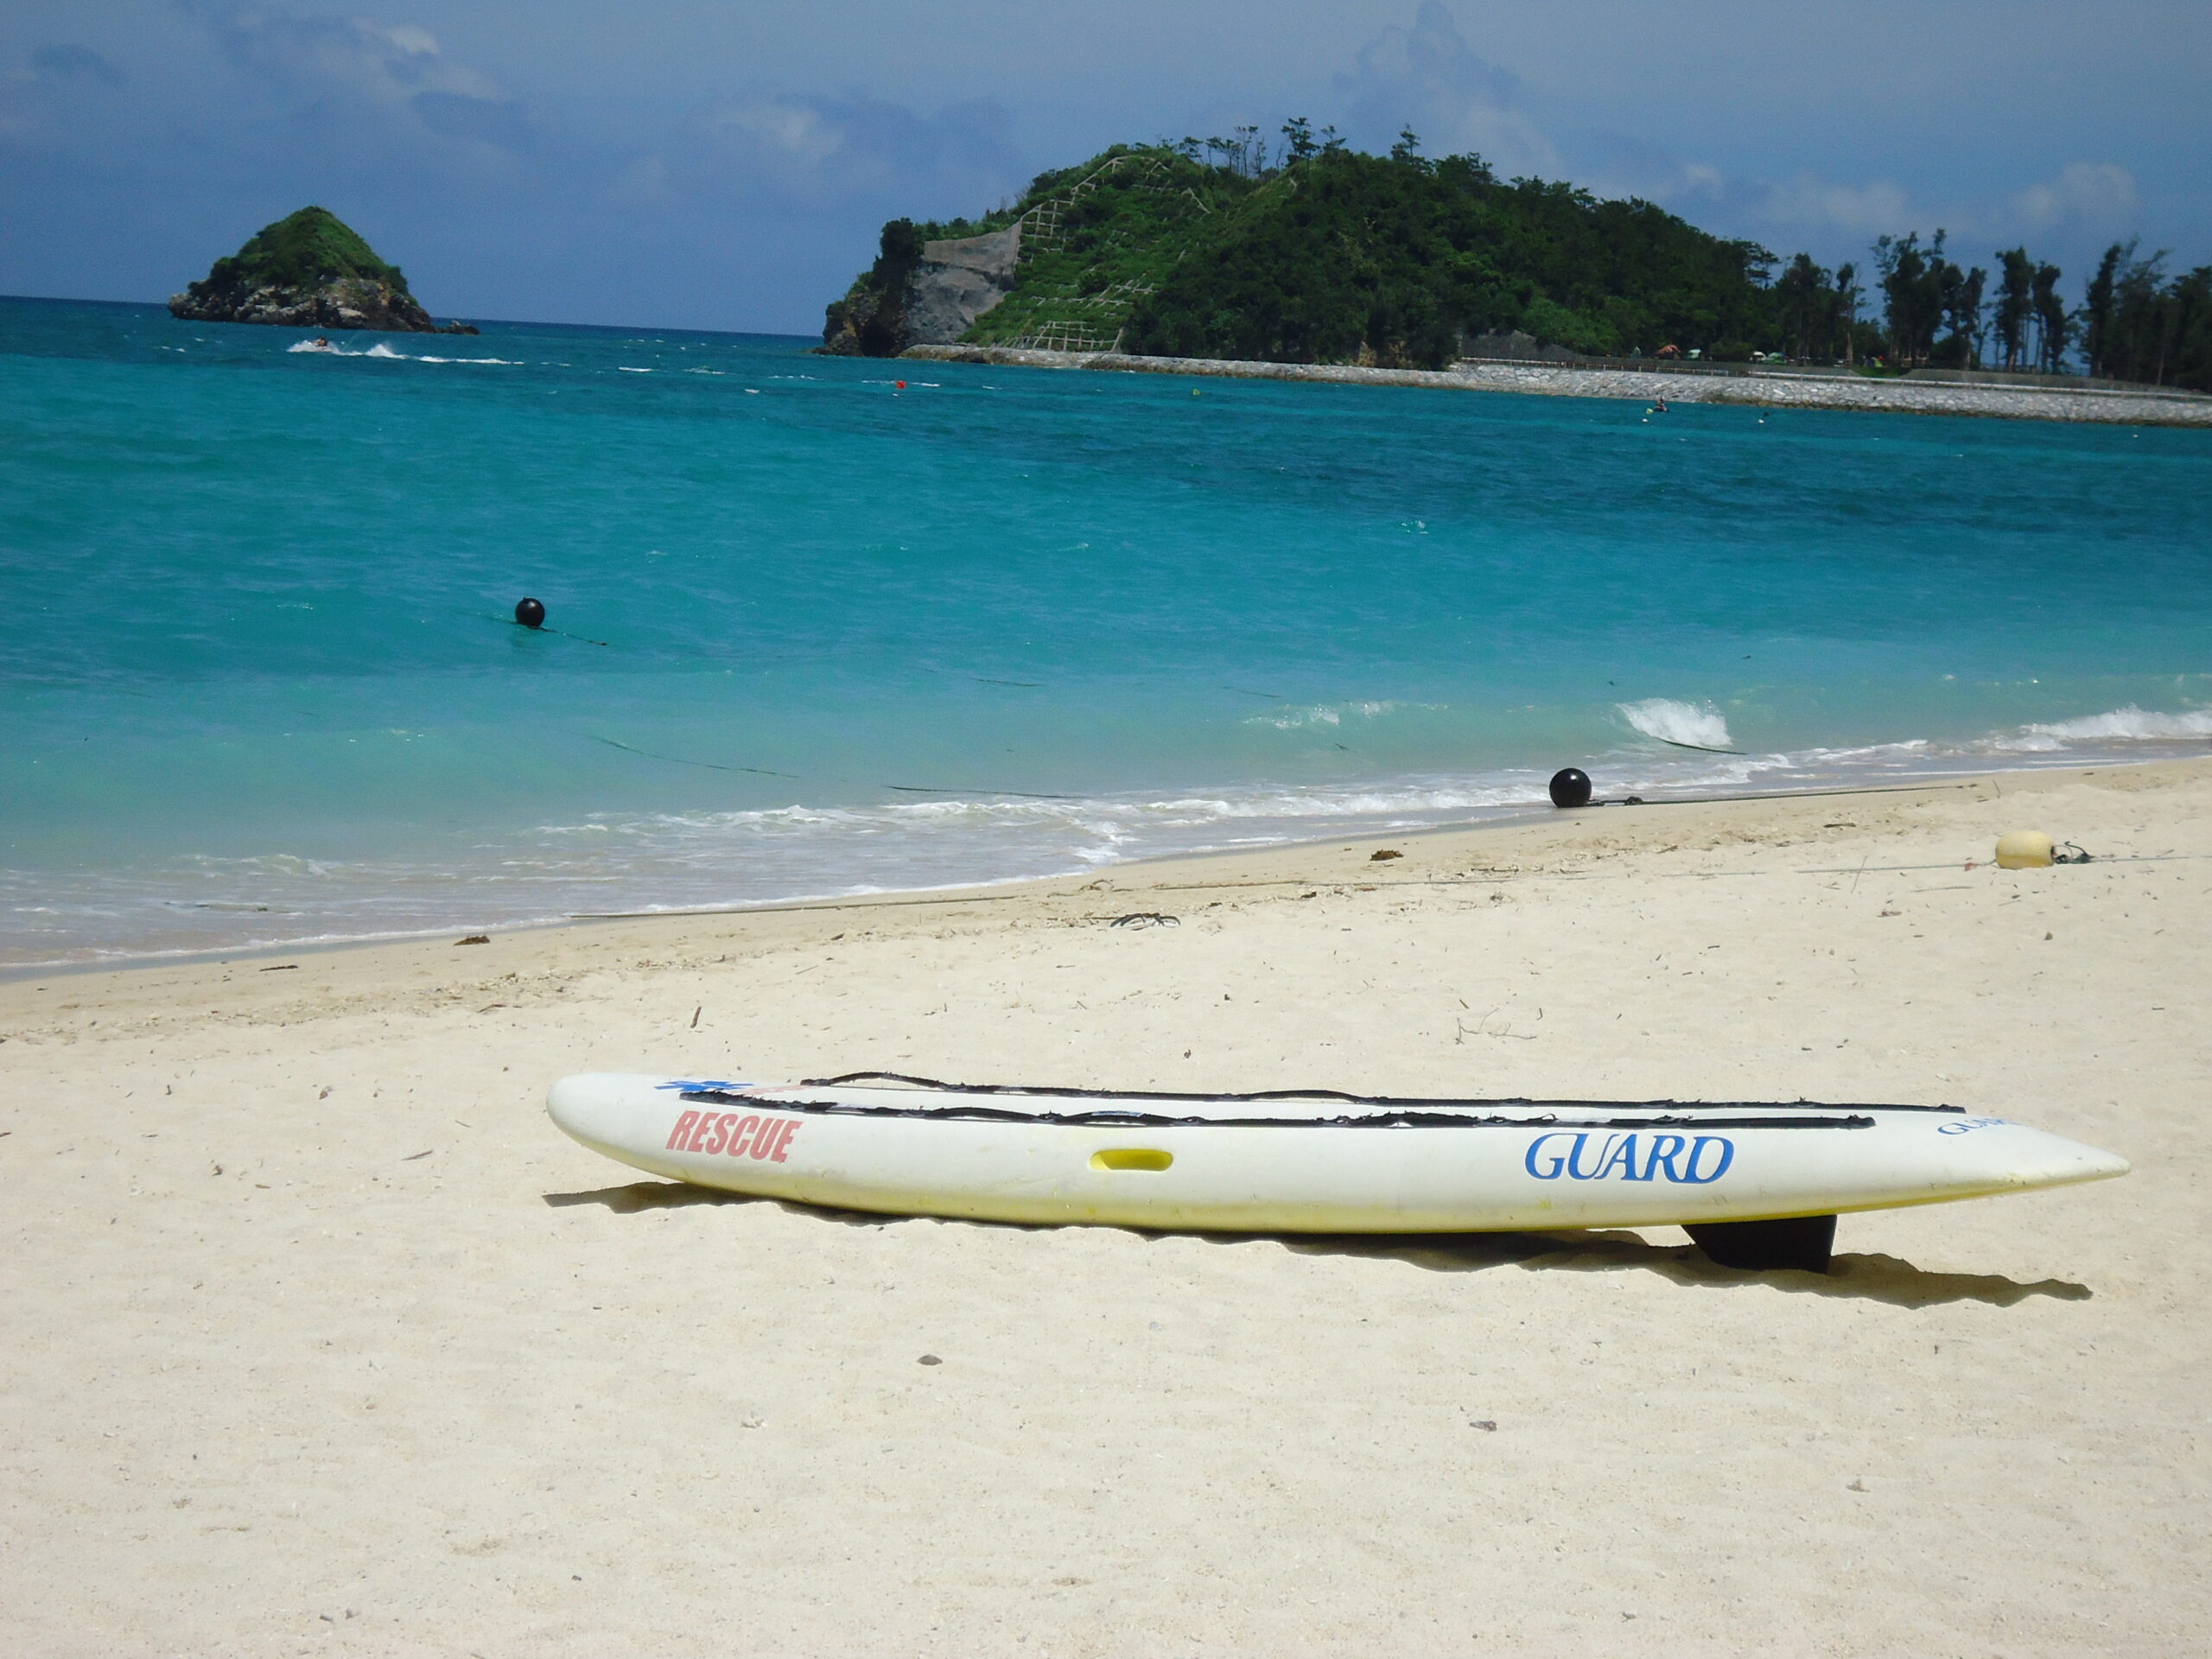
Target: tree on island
{"type": "Point", "coordinates": [1310, 251]}
{"type": "Point", "coordinates": [2136, 326]}
{"type": "Point", "coordinates": [2015, 309]}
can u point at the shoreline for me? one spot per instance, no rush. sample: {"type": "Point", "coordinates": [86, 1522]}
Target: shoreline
{"type": "Point", "coordinates": [1753, 389]}
{"type": "Point", "coordinates": [1544, 826]}
{"type": "Point", "coordinates": [323, 1334]}
{"type": "Point", "coordinates": [1535, 811]}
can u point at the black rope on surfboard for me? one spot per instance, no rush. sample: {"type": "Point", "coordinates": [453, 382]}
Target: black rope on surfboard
{"type": "Point", "coordinates": [1403, 1118]}
{"type": "Point", "coordinates": [1396, 1102]}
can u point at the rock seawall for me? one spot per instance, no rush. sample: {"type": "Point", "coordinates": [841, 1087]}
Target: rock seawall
{"type": "Point", "coordinates": [2147, 407]}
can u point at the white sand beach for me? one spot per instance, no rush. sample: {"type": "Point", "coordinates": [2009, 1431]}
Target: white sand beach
{"type": "Point", "coordinates": [321, 1339]}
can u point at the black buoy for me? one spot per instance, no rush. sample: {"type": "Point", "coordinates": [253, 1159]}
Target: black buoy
{"type": "Point", "coordinates": [1571, 787]}
{"type": "Point", "coordinates": [531, 615]}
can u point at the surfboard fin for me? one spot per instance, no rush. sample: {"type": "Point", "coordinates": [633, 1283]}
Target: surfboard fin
{"type": "Point", "coordinates": [1801, 1242]}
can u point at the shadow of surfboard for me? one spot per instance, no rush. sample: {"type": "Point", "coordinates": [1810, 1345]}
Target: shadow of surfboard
{"type": "Point", "coordinates": [1873, 1278]}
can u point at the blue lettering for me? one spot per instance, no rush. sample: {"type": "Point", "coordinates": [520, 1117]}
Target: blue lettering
{"type": "Point", "coordinates": [1556, 1161]}
{"type": "Point", "coordinates": [1665, 1148]}
{"type": "Point", "coordinates": [1574, 1162]}
{"type": "Point", "coordinates": [1685, 1163]}
{"type": "Point", "coordinates": [1620, 1153]}
{"type": "Point", "coordinates": [1697, 1151]}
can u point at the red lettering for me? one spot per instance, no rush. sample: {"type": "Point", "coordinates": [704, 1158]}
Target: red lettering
{"type": "Point", "coordinates": [765, 1143]}
{"type": "Point", "coordinates": [699, 1132]}
{"type": "Point", "coordinates": [784, 1138]}
{"type": "Point", "coordinates": [683, 1128]}
{"type": "Point", "coordinates": [718, 1136]}
{"type": "Point", "coordinates": [744, 1128]}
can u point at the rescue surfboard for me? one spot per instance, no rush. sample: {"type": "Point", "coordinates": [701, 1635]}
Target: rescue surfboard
{"type": "Point", "coordinates": [1759, 1183]}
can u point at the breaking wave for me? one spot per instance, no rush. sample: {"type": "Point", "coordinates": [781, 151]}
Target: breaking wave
{"type": "Point", "coordinates": [630, 863]}
{"type": "Point", "coordinates": [2128, 725]}
{"type": "Point", "coordinates": [1327, 714]}
{"type": "Point", "coordinates": [1693, 726]}
{"type": "Point", "coordinates": [384, 351]}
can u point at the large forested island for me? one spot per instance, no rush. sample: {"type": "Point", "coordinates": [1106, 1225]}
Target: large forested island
{"type": "Point", "coordinates": [1314, 252]}
{"type": "Point", "coordinates": [309, 269]}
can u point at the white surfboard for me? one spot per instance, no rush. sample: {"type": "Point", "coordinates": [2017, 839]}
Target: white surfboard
{"type": "Point", "coordinates": [1306, 1162]}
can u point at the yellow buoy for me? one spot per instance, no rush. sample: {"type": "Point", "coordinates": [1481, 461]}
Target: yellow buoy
{"type": "Point", "coordinates": [2024, 849]}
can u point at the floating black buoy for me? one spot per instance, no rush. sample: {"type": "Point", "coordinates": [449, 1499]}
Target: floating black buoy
{"type": "Point", "coordinates": [531, 615]}
{"type": "Point", "coordinates": [1571, 787]}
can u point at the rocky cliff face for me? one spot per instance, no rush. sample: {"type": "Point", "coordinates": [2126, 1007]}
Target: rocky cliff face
{"type": "Point", "coordinates": [956, 282]}
{"type": "Point", "coordinates": [349, 303]}
{"type": "Point", "coordinates": [923, 293]}
{"type": "Point", "coordinates": [310, 271]}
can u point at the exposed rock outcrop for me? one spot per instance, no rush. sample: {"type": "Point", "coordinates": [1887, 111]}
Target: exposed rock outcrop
{"type": "Point", "coordinates": [956, 282]}
{"type": "Point", "coordinates": [922, 293]}
{"type": "Point", "coordinates": [309, 271]}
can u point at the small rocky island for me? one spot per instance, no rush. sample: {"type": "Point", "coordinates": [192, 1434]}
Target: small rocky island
{"type": "Point", "coordinates": [309, 271]}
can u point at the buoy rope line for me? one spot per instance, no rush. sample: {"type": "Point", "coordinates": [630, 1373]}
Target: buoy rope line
{"type": "Point", "coordinates": [892, 901]}
{"type": "Point", "coordinates": [1403, 1114]}
{"type": "Point", "coordinates": [1962, 780]}
{"type": "Point", "coordinates": [678, 760]}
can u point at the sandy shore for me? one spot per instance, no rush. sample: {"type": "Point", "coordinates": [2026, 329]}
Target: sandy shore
{"type": "Point", "coordinates": [321, 1340]}
{"type": "Point", "coordinates": [1792, 389]}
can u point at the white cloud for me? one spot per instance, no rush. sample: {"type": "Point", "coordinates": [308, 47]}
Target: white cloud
{"type": "Point", "coordinates": [1811, 205]}
{"type": "Point", "coordinates": [2084, 204]}
{"type": "Point", "coordinates": [1429, 78]}
{"type": "Point", "coordinates": [2094, 196]}
{"type": "Point", "coordinates": [401, 71]}
{"type": "Point", "coordinates": [811, 151]}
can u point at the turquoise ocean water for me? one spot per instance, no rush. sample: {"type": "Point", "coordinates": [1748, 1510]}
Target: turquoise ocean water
{"type": "Point", "coordinates": [259, 685]}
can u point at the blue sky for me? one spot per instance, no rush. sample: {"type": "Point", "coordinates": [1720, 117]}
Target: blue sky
{"type": "Point", "coordinates": [726, 165]}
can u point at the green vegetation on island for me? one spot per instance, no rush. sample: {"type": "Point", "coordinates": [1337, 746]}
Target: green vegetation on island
{"type": "Point", "coordinates": [1310, 251]}
{"type": "Point", "coordinates": [309, 269]}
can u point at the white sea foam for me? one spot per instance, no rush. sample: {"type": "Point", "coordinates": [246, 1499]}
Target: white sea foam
{"type": "Point", "coordinates": [1324, 714]}
{"type": "Point", "coordinates": [2128, 725]}
{"type": "Point", "coordinates": [381, 350]}
{"type": "Point", "coordinates": [808, 849]}
{"type": "Point", "coordinates": [1699, 725]}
